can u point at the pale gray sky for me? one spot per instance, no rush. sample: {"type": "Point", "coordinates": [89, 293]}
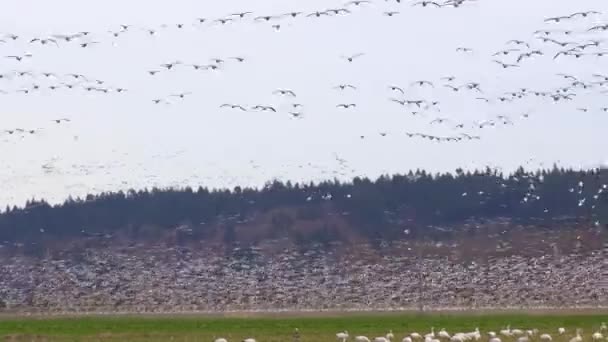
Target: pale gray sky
{"type": "Point", "coordinates": [117, 141]}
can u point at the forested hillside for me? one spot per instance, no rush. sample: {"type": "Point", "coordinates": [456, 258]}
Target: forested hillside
{"type": "Point", "coordinates": [369, 208]}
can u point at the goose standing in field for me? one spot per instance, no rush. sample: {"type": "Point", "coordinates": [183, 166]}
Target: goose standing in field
{"type": "Point", "coordinates": [415, 336]}
{"type": "Point", "coordinates": [362, 339]}
{"type": "Point", "coordinates": [249, 340]}
{"type": "Point", "coordinates": [546, 338]}
{"type": "Point", "coordinates": [444, 334]}
{"type": "Point", "coordinates": [597, 336]}
{"type": "Point", "coordinates": [561, 331]}
{"type": "Point", "coordinates": [220, 340]}
{"type": "Point", "coordinates": [406, 339]}
{"type": "Point", "coordinates": [578, 337]}
{"type": "Point", "coordinates": [342, 336]}
{"type": "Point", "coordinates": [390, 336]}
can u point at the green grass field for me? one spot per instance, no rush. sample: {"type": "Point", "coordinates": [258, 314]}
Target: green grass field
{"type": "Point", "coordinates": [279, 329]}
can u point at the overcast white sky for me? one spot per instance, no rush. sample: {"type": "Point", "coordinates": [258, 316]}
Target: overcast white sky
{"type": "Point", "coordinates": [117, 141]}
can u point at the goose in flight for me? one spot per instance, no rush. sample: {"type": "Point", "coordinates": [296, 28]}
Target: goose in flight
{"type": "Point", "coordinates": [223, 21]}
{"type": "Point", "coordinates": [20, 58]}
{"type": "Point", "coordinates": [170, 66]}
{"type": "Point", "coordinates": [337, 11]}
{"type": "Point", "coordinates": [518, 42]}
{"type": "Point", "coordinates": [422, 83]}
{"type": "Point", "coordinates": [427, 3]}
{"type": "Point", "coordinates": [182, 95]}
{"type": "Point", "coordinates": [265, 108]}
{"type": "Point", "coordinates": [346, 105]}
{"type": "Point", "coordinates": [153, 72]}
{"type": "Point", "coordinates": [396, 88]}
{"type": "Point", "coordinates": [350, 59]}
{"type": "Point", "coordinates": [568, 77]}
{"type": "Point", "coordinates": [296, 115]}
{"type": "Point", "coordinates": [284, 92]}
{"type": "Point", "coordinates": [418, 103]}
{"type": "Point", "coordinates": [391, 13]}
{"type": "Point", "coordinates": [505, 65]}
{"type": "Point", "coordinates": [78, 76]}
{"type": "Point", "coordinates": [562, 44]}
{"type": "Point", "coordinates": [233, 106]}
{"type": "Point", "coordinates": [557, 19]}
{"type": "Point", "coordinates": [264, 18]}
{"type": "Point", "coordinates": [292, 14]}
{"type": "Point", "coordinates": [357, 2]}
{"type": "Point", "coordinates": [344, 86]}
{"type": "Point", "coordinates": [505, 52]}
{"type": "Point", "coordinates": [401, 102]}
{"type": "Point", "coordinates": [317, 14]}
{"type": "Point", "coordinates": [198, 66]}
{"type": "Point", "coordinates": [453, 88]}
{"type": "Point", "coordinates": [238, 59]}
{"type": "Point", "coordinates": [584, 14]}
{"type": "Point", "coordinates": [598, 28]}
{"type": "Point", "coordinates": [439, 120]}
{"type": "Point", "coordinates": [11, 36]}
{"type": "Point", "coordinates": [44, 41]}
{"type": "Point", "coordinates": [61, 120]}
{"type": "Point", "coordinates": [241, 14]}
{"type": "Point", "coordinates": [87, 44]}
{"type": "Point", "coordinates": [158, 101]}
{"type": "Point", "coordinates": [464, 49]}
{"type": "Point", "coordinates": [448, 78]}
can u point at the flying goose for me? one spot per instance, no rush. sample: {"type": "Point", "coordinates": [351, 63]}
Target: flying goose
{"type": "Point", "coordinates": [344, 86]}
{"type": "Point", "coordinates": [464, 49]}
{"type": "Point", "coordinates": [505, 65]}
{"type": "Point", "coordinates": [518, 42]}
{"type": "Point", "coordinates": [285, 92]}
{"type": "Point", "coordinates": [182, 95]}
{"type": "Point", "coordinates": [233, 106]}
{"type": "Point", "coordinates": [317, 14]}
{"type": "Point", "coordinates": [241, 14]}
{"type": "Point", "coordinates": [391, 13]}
{"type": "Point", "coordinates": [557, 19]}
{"type": "Point", "coordinates": [396, 88]}
{"type": "Point", "coordinates": [292, 14]}
{"type": "Point", "coordinates": [61, 120]}
{"type": "Point", "coordinates": [423, 83]}
{"type": "Point", "coordinates": [350, 59]}
{"type": "Point", "coordinates": [20, 58]}
{"type": "Point", "coordinates": [357, 2]}
{"type": "Point", "coordinates": [337, 11]}
{"type": "Point", "coordinates": [426, 3]}
{"type": "Point", "coordinates": [346, 105]}
{"type": "Point", "coordinates": [439, 120]}
{"type": "Point", "coordinates": [264, 108]}
{"type": "Point", "coordinates": [583, 14]}
{"type": "Point", "coordinates": [223, 21]}
{"type": "Point", "coordinates": [505, 52]}
{"type": "Point", "coordinates": [87, 44]}
{"type": "Point", "coordinates": [44, 41]}
{"type": "Point", "coordinates": [401, 102]}
{"type": "Point", "coordinates": [264, 18]}
{"type": "Point", "coordinates": [296, 115]}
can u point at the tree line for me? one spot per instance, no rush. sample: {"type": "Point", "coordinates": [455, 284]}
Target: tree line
{"type": "Point", "coordinates": [373, 208]}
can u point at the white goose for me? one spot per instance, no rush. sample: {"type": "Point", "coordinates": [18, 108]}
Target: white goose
{"type": "Point", "coordinates": [342, 336]}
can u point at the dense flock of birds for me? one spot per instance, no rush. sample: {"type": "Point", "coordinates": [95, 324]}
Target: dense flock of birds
{"type": "Point", "coordinates": [519, 335]}
{"type": "Point", "coordinates": [557, 38]}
